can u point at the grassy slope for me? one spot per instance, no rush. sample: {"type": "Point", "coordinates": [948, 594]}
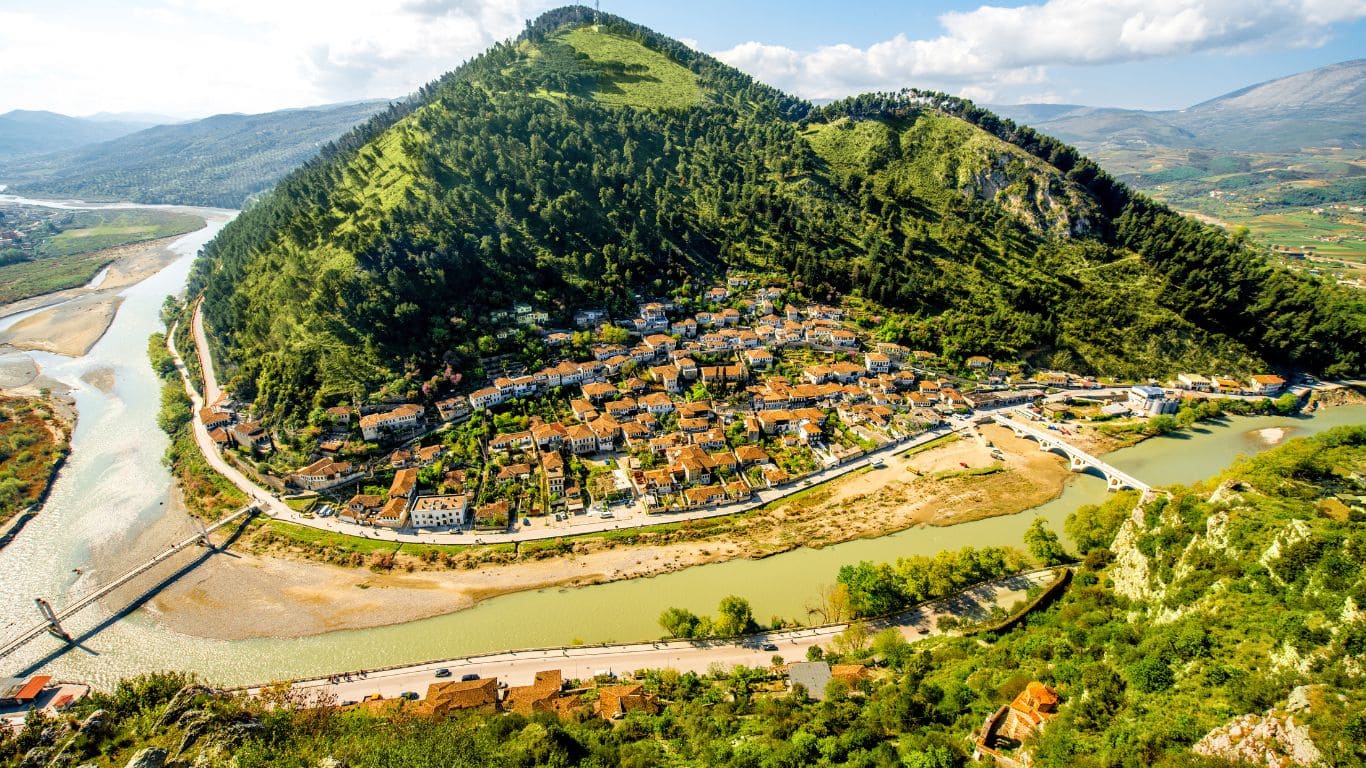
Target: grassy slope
{"type": "Point", "coordinates": [933, 158]}
{"type": "Point", "coordinates": [652, 80]}
{"type": "Point", "coordinates": [517, 180]}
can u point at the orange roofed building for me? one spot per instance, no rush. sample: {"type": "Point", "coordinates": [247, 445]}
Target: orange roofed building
{"type": "Point", "coordinates": [539, 696]}
{"type": "Point", "coordinates": [445, 698]}
{"type": "Point", "coordinates": [615, 701]}
{"type": "Point", "coordinates": [1002, 733]}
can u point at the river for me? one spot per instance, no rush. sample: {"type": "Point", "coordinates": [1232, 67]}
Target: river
{"type": "Point", "coordinates": [114, 487]}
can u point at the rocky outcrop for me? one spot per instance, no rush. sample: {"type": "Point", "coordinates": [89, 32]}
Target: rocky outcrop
{"type": "Point", "coordinates": [180, 702]}
{"type": "Point", "coordinates": [1293, 533]}
{"type": "Point", "coordinates": [1130, 571]}
{"type": "Point", "coordinates": [151, 757]}
{"type": "Point", "coordinates": [193, 724]}
{"type": "Point", "coordinates": [1031, 194]}
{"type": "Point", "coordinates": [1274, 739]}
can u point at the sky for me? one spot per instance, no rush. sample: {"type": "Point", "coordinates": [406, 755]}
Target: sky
{"type": "Point", "coordinates": [191, 58]}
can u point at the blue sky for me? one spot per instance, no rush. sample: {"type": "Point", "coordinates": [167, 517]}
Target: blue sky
{"type": "Point", "coordinates": [197, 57]}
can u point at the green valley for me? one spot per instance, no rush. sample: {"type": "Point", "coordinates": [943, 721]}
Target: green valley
{"type": "Point", "coordinates": [42, 250]}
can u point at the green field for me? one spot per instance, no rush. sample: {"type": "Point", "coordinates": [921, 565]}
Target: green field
{"type": "Point", "coordinates": [853, 147]}
{"type": "Point", "coordinates": [632, 75]}
{"type": "Point", "coordinates": [1283, 199]}
{"type": "Point", "coordinates": [34, 278]}
{"type": "Point", "coordinates": [1334, 234]}
{"type": "Point", "coordinates": [74, 255]}
{"type": "Point", "coordinates": [96, 230]}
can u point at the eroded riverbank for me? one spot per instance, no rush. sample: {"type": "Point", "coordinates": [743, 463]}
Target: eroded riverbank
{"type": "Point", "coordinates": [269, 593]}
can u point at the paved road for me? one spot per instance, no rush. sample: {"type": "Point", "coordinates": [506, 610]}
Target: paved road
{"type": "Point", "coordinates": [201, 341]}
{"type": "Point", "coordinates": [520, 667]}
{"type": "Point", "coordinates": [269, 504]}
{"type": "Point", "coordinates": [544, 528]}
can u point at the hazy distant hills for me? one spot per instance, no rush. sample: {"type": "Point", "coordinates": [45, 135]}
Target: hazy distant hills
{"type": "Point", "coordinates": [26, 132]}
{"type": "Point", "coordinates": [220, 160]}
{"type": "Point", "coordinates": [1322, 107]}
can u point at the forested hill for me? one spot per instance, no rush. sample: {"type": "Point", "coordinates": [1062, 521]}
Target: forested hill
{"type": "Point", "coordinates": [218, 161]}
{"type": "Point", "coordinates": [592, 159]}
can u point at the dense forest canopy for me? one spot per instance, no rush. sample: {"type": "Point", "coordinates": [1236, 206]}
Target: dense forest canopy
{"type": "Point", "coordinates": [591, 160]}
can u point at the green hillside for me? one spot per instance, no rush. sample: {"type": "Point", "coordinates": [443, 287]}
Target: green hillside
{"type": "Point", "coordinates": [633, 75]}
{"type": "Point", "coordinates": [1229, 610]}
{"type": "Point", "coordinates": [218, 161]}
{"type": "Point", "coordinates": [592, 160]}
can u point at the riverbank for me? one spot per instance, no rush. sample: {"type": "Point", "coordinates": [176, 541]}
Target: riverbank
{"type": "Point", "coordinates": [36, 439]}
{"type": "Point", "coordinates": [519, 667]}
{"type": "Point", "coordinates": [243, 597]}
{"type": "Point", "coordinates": [71, 321]}
{"type": "Point", "coordinates": [954, 482]}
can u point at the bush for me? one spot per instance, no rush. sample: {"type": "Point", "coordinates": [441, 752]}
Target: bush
{"type": "Point", "coordinates": [1151, 674]}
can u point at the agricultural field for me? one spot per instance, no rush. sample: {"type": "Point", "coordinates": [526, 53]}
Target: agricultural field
{"type": "Point", "coordinates": [44, 250]}
{"type": "Point", "coordinates": [1308, 202]}
{"type": "Point", "coordinates": [96, 230]}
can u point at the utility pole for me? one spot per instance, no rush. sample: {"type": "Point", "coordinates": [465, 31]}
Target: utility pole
{"type": "Point", "coordinates": [54, 627]}
{"type": "Point", "coordinates": [203, 533]}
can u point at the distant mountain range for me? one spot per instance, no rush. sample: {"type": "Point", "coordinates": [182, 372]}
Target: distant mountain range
{"type": "Point", "coordinates": [1322, 107]}
{"type": "Point", "coordinates": [220, 160]}
{"type": "Point", "coordinates": [26, 132]}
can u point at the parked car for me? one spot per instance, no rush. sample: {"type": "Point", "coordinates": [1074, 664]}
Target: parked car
{"type": "Point", "coordinates": [409, 695]}
{"type": "Point", "coordinates": [770, 647]}
{"type": "Point", "coordinates": [443, 672]}
{"type": "Point", "coordinates": [607, 514]}
{"type": "Point", "coordinates": [468, 677]}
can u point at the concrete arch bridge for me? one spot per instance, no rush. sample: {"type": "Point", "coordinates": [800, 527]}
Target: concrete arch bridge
{"type": "Point", "coordinates": [1079, 460]}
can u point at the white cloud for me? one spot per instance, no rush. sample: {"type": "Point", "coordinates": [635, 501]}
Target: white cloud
{"type": "Point", "coordinates": [193, 57]}
{"type": "Point", "coordinates": [990, 48]}
{"type": "Point", "coordinates": [203, 56]}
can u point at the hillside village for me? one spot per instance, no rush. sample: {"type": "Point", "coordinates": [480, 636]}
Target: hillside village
{"type": "Point", "coordinates": [664, 411]}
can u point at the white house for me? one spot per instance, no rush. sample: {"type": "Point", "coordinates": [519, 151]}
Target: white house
{"type": "Point", "coordinates": [1151, 400]}
{"type": "Point", "coordinates": [326, 473]}
{"type": "Point", "coordinates": [438, 511]}
{"type": "Point", "coordinates": [405, 416]}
